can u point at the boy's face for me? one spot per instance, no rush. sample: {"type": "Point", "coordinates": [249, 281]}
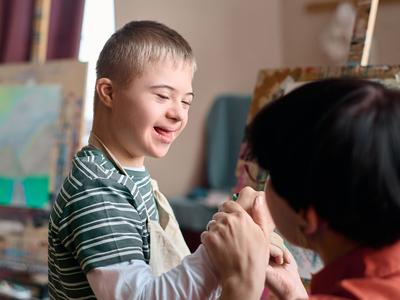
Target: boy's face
{"type": "Point", "coordinates": [151, 112]}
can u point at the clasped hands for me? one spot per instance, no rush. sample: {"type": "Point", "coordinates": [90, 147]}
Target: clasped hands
{"type": "Point", "coordinates": [247, 254]}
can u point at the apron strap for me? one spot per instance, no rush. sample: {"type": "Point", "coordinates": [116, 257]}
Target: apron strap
{"type": "Point", "coordinates": [96, 142]}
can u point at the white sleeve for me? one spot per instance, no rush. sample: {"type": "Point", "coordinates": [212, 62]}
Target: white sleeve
{"type": "Point", "coordinates": [193, 279]}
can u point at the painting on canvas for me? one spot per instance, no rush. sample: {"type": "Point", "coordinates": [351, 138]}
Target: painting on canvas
{"type": "Point", "coordinates": [29, 125]}
{"type": "Point", "coordinates": [71, 76]}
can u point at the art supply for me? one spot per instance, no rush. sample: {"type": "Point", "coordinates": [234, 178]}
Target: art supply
{"type": "Point", "coordinates": [235, 196]}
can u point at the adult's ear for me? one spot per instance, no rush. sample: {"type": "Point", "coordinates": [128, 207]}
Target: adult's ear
{"type": "Point", "coordinates": [105, 91]}
{"type": "Point", "coordinates": [311, 221]}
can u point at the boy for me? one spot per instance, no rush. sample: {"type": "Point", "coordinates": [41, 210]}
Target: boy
{"type": "Point", "coordinates": [112, 234]}
{"type": "Point", "coordinates": [98, 227]}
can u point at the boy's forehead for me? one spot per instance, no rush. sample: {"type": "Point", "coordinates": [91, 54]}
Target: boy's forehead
{"type": "Point", "coordinates": [163, 69]}
{"type": "Point", "coordinates": [168, 62]}
{"type": "Point", "coordinates": [165, 72]}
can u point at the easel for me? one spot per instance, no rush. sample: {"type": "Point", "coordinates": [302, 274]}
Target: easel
{"type": "Point", "coordinates": [41, 23]}
{"type": "Point", "coordinates": [40, 27]}
{"type": "Point", "coordinates": [363, 31]}
{"type": "Point", "coordinates": [361, 41]}
{"type": "Point", "coordinates": [40, 34]}
{"type": "Point", "coordinates": [326, 5]}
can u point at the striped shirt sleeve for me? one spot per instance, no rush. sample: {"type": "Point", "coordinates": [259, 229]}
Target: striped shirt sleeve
{"type": "Point", "coordinates": [101, 227]}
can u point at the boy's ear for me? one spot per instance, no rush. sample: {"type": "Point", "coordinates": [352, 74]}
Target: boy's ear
{"type": "Point", "coordinates": [105, 91]}
{"type": "Point", "coordinates": [311, 221]}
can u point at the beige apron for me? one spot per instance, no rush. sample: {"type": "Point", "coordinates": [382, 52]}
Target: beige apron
{"type": "Point", "coordinates": [167, 246]}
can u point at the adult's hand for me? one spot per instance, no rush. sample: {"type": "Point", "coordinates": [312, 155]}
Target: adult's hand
{"type": "Point", "coordinates": [262, 217]}
{"type": "Point", "coordinates": [284, 281]}
{"type": "Point", "coordinates": [246, 200]}
{"type": "Point", "coordinates": [260, 214]}
{"type": "Point", "coordinates": [239, 251]}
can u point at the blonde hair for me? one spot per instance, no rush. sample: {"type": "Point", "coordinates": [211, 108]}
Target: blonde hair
{"type": "Point", "coordinates": [137, 44]}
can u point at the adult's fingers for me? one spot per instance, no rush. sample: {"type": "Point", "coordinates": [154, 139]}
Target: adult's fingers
{"type": "Point", "coordinates": [210, 224]}
{"type": "Point", "coordinates": [218, 218]}
{"type": "Point", "coordinates": [287, 256]}
{"type": "Point", "coordinates": [284, 281]}
{"type": "Point", "coordinates": [276, 254]}
{"type": "Point", "coordinates": [246, 198]}
{"type": "Point", "coordinates": [230, 207]}
{"type": "Point", "coordinates": [261, 215]}
{"type": "Point", "coordinates": [277, 240]}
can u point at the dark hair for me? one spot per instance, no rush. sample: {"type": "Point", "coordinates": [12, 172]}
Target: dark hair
{"type": "Point", "coordinates": [335, 145]}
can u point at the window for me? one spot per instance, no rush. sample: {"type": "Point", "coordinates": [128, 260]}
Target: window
{"type": "Point", "coordinates": [98, 25]}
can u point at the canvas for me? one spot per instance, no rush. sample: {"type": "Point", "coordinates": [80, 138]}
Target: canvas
{"type": "Point", "coordinates": [29, 124]}
{"type": "Point", "coordinates": [71, 76]}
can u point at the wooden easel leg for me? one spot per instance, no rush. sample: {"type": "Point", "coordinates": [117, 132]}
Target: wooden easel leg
{"type": "Point", "coordinates": [360, 46]}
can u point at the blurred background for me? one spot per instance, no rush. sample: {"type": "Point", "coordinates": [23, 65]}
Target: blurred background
{"type": "Point", "coordinates": [57, 42]}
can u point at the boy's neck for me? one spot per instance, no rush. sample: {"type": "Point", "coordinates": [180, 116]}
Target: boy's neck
{"type": "Point", "coordinates": [140, 169]}
{"type": "Point", "coordinates": [124, 158]}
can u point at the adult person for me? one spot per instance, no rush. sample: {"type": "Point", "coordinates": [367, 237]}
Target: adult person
{"type": "Point", "coordinates": [332, 150]}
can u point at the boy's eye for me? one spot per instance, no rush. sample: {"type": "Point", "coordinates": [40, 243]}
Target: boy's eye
{"type": "Point", "coordinates": [188, 103]}
{"type": "Point", "coordinates": [162, 96]}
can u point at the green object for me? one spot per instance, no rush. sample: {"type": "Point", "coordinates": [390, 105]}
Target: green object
{"type": "Point", "coordinates": [235, 196]}
{"type": "Point", "coordinates": [225, 127]}
{"type": "Point", "coordinates": [36, 191]}
{"type": "Point", "coordinates": [6, 190]}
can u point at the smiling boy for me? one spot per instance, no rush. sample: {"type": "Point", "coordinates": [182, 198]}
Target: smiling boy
{"type": "Point", "coordinates": [112, 234]}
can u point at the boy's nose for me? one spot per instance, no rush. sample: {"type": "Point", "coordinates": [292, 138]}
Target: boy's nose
{"type": "Point", "coordinates": [176, 112]}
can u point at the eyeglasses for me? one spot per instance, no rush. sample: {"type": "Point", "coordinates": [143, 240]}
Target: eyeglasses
{"type": "Point", "coordinates": [256, 174]}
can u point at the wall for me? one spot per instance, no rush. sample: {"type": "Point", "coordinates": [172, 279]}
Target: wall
{"type": "Point", "coordinates": [386, 39]}
{"type": "Point", "coordinates": [232, 40]}
{"type": "Point", "coordinates": [302, 31]}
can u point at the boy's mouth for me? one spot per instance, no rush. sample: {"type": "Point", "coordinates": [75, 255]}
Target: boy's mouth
{"type": "Point", "coordinates": [165, 135]}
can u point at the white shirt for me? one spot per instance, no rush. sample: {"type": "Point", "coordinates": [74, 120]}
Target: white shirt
{"type": "Point", "coordinates": [193, 279]}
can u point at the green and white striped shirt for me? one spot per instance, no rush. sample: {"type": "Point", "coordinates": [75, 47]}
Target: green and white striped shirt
{"type": "Point", "coordinates": [99, 219]}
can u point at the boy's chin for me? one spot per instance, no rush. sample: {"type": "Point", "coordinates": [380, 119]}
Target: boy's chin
{"type": "Point", "coordinates": [160, 153]}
